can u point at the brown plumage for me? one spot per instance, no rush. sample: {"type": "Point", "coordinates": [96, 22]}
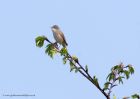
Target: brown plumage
{"type": "Point", "coordinates": [59, 36]}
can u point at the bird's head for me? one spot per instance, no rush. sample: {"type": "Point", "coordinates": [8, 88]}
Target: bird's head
{"type": "Point", "coordinates": [55, 27]}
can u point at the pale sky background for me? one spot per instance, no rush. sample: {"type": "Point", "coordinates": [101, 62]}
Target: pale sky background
{"type": "Point", "coordinates": [101, 33]}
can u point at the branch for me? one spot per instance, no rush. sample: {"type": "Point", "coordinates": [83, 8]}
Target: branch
{"type": "Point", "coordinates": [82, 70]}
{"type": "Point", "coordinates": [118, 72]}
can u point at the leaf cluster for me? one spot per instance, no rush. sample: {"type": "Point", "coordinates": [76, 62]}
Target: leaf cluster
{"type": "Point", "coordinates": [40, 41]}
{"type": "Point", "coordinates": [116, 76]}
{"type": "Point", "coordinates": [135, 96]}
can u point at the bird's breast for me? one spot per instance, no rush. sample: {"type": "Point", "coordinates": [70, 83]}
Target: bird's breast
{"type": "Point", "coordinates": [57, 36]}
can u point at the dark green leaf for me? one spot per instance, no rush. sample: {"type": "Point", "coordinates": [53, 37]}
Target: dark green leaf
{"type": "Point", "coordinates": [40, 41]}
{"type": "Point", "coordinates": [115, 67]}
{"type": "Point", "coordinates": [120, 79]}
{"type": "Point", "coordinates": [131, 69]}
{"type": "Point", "coordinates": [118, 68]}
{"type": "Point", "coordinates": [72, 67]}
{"type": "Point", "coordinates": [86, 68]}
{"type": "Point", "coordinates": [71, 63]}
{"type": "Point", "coordinates": [126, 73]}
{"type": "Point", "coordinates": [77, 69]}
{"type": "Point", "coordinates": [95, 81]}
{"type": "Point", "coordinates": [135, 96]}
{"type": "Point", "coordinates": [50, 50]}
{"type": "Point", "coordinates": [111, 77]}
{"type": "Point", "coordinates": [65, 60]}
{"type": "Point", "coordinates": [106, 85]}
{"type": "Point", "coordinates": [108, 76]}
{"type": "Point", "coordinates": [63, 51]}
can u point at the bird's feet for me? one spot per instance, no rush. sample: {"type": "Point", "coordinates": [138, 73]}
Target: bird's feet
{"type": "Point", "coordinates": [56, 45]}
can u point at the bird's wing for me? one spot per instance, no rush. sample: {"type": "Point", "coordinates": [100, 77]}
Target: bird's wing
{"type": "Point", "coordinates": [62, 35]}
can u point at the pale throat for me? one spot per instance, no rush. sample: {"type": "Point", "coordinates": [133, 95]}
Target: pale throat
{"type": "Point", "coordinates": [53, 29]}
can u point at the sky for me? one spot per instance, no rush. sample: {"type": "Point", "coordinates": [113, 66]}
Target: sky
{"type": "Point", "coordinates": [101, 33]}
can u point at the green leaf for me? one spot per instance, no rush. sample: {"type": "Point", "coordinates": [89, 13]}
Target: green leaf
{"type": "Point", "coordinates": [126, 73]}
{"type": "Point", "coordinates": [65, 60]}
{"type": "Point", "coordinates": [63, 51]}
{"type": "Point", "coordinates": [86, 68]}
{"type": "Point", "coordinates": [71, 63]}
{"type": "Point", "coordinates": [118, 68]}
{"type": "Point", "coordinates": [120, 79]}
{"type": "Point", "coordinates": [95, 81]}
{"type": "Point", "coordinates": [115, 67]}
{"type": "Point", "coordinates": [131, 69]}
{"type": "Point", "coordinates": [106, 85]}
{"type": "Point", "coordinates": [40, 41]}
{"type": "Point", "coordinates": [75, 58]}
{"type": "Point", "coordinates": [50, 50]}
{"type": "Point", "coordinates": [111, 76]}
{"type": "Point", "coordinates": [77, 69]}
{"type": "Point", "coordinates": [135, 96]}
{"type": "Point", "coordinates": [108, 76]}
{"type": "Point", "coordinates": [72, 67]}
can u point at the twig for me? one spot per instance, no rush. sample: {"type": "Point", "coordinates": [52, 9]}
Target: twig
{"type": "Point", "coordinates": [83, 72]}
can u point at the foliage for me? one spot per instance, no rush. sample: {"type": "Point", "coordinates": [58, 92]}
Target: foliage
{"type": "Point", "coordinates": [115, 77]}
{"type": "Point", "coordinates": [40, 41]}
{"type": "Point", "coordinates": [50, 50]}
{"type": "Point", "coordinates": [135, 96]}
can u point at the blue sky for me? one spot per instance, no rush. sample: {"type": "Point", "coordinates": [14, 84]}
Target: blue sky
{"type": "Point", "coordinates": [101, 33]}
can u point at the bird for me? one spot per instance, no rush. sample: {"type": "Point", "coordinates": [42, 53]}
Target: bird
{"type": "Point", "coordinates": [59, 36]}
